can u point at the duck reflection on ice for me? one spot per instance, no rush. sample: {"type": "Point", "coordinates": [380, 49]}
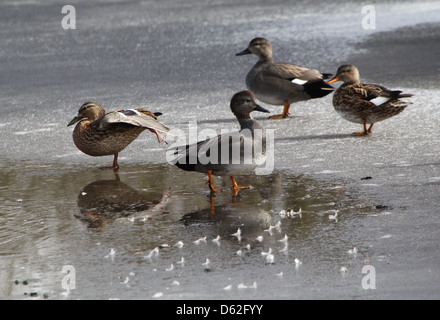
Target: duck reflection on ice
{"type": "Point", "coordinates": [104, 200]}
{"type": "Point", "coordinates": [258, 211]}
{"type": "Point", "coordinates": [250, 219]}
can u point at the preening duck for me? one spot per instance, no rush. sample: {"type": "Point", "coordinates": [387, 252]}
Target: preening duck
{"type": "Point", "coordinates": [101, 134]}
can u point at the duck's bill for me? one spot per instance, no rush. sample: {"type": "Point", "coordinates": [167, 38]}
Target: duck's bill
{"type": "Point", "coordinates": [242, 53]}
{"type": "Point", "coordinates": [74, 120]}
{"type": "Point", "coordinates": [335, 79]}
{"type": "Point", "coordinates": [261, 109]}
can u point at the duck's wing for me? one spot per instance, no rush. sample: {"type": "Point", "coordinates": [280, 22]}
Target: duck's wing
{"type": "Point", "coordinates": [191, 153]}
{"type": "Point", "coordinates": [186, 157]}
{"type": "Point", "coordinates": [298, 79]}
{"type": "Point", "coordinates": [135, 117]}
{"type": "Point", "coordinates": [217, 151]}
{"type": "Point", "coordinates": [294, 73]}
{"type": "Point", "coordinates": [376, 94]}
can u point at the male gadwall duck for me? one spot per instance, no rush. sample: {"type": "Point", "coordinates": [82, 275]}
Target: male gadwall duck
{"type": "Point", "coordinates": [101, 134]}
{"type": "Point", "coordinates": [231, 153]}
{"type": "Point", "coordinates": [282, 83]}
{"type": "Point", "coordinates": [365, 103]}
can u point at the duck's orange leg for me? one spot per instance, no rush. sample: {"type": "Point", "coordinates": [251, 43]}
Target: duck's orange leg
{"type": "Point", "coordinates": [365, 132]}
{"type": "Point", "coordinates": [212, 205]}
{"type": "Point", "coordinates": [235, 186]}
{"type": "Point", "coordinates": [285, 113]}
{"type": "Point", "coordinates": [211, 182]}
{"type": "Point", "coordinates": [160, 137]}
{"type": "Point", "coordinates": [115, 166]}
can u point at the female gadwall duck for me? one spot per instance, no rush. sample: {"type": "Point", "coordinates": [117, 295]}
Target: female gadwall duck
{"type": "Point", "coordinates": [232, 153]}
{"type": "Point", "coordinates": [101, 134]}
{"type": "Point", "coordinates": [282, 83]}
{"type": "Point", "coordinates": [365, 103]}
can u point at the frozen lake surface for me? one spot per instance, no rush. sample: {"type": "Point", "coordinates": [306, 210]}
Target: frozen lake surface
{"type": "Point", "coordinates": [57, 209]}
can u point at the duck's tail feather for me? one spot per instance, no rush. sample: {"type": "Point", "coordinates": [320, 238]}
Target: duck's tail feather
{"type": "Point", "coordinates": [318, 89]}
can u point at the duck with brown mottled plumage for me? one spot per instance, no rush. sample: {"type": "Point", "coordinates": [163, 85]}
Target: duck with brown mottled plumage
{"type": "Point", "coordinates": [101, 134]}
{"type": "Point", "coordinates": [363, 102]}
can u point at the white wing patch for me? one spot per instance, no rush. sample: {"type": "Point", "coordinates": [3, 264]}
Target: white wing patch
{"type": "Point", "coordinates": [122, 115]}
{"type": "Point", "coordinates": [299, 81]}
{"type": "Point", "coordinates": [133, 117]}
{"type": "Point", "coordinates": [380, 100]}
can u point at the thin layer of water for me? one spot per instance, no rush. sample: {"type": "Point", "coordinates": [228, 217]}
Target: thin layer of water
{"type": "Point", "coordinates": [106, 226]}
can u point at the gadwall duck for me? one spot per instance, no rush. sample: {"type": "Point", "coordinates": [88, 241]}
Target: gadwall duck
{"type": "Point", "coordinates": [231, 153]}
{"type": "Point", "coordinates": [282, 83]}
{"type": "Point", "coordinates": [365, 103]}
{"type": "Point", "coordinates": [101, 134]}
